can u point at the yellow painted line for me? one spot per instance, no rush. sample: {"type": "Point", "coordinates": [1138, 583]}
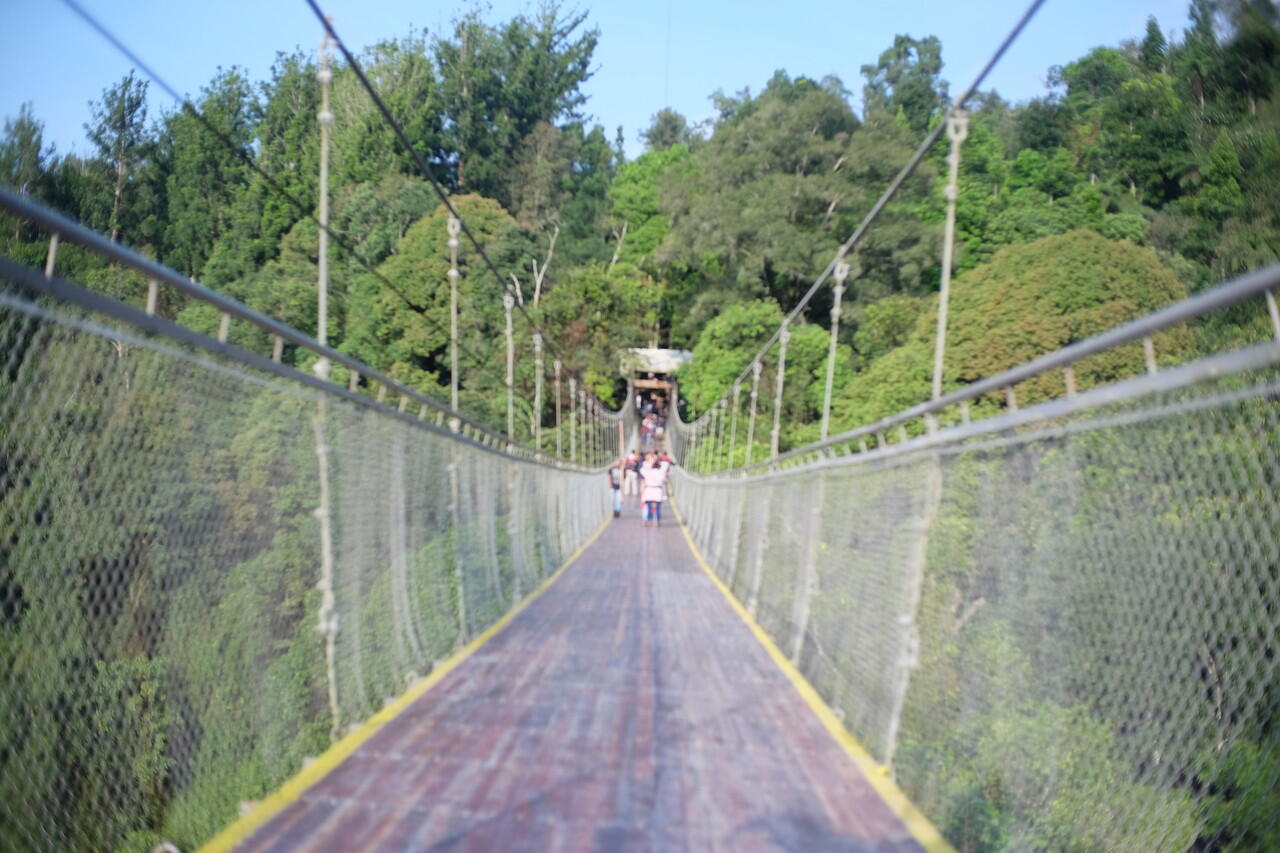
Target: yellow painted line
{"type": "Point", "coordinates": [290, 791]}
{"type": "Point", "coordinates": [876, 773]}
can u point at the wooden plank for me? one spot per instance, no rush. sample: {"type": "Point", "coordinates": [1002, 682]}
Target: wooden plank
{"type": "Point", "coordinates": [627, 707]}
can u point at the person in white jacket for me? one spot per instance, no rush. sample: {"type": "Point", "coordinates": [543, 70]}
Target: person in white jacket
{"type": "Point", "coordinates": [631, 476]}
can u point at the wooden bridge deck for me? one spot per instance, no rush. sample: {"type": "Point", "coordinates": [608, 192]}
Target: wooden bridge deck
{"type": "Point", "coordinates": [628, 707]}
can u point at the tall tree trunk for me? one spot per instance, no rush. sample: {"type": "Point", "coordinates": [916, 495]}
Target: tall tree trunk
{"type": "Point", "coordinates": [115, 203]}
{"type": "Point", "coordinates": [617, 247]}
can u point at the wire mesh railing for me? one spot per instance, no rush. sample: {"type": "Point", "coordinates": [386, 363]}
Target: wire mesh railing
{"type": "Point", "coordinates": [582, 432]}
{"type": "Point", "coordinates": [213, 562]}
{"type": "Point", "coordinates": [1057, 625]}
{"type": "Point", "coordinates": [1131, 350]}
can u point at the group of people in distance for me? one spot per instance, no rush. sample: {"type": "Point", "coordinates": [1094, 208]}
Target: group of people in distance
{"type": "Point", "coordinates": [653, 419]}
{"type": "Point", "coordinates": [626, 476]}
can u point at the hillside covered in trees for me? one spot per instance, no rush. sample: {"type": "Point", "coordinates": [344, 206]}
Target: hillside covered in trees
{"type": "Point", "coordinates": [1169, 142]}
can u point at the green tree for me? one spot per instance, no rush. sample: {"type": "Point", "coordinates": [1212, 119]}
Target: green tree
{"type": "Point", "coordinates": [119, 133]}
{"type": "Point", "coordinates": [635, 201]}
{"type": "Point", "coordinates": [23, 157]}
{"type": "Point", "coordinates": [906, 81]}
{"type": "Point", "coordinates": [1218, 194]}
{"type": "Point", "coordinates": [497, 84]}
{"type": "Point", "coordinates": [584, 215]}
{"type": "Point", "coordinates": [1151, 53]}
{"type": "Point", "coordinates": [666, 128]}
{"type": "Point", "coordinates": [288, 148]}
{"type": "Point", "coordinates": [1040, 124]}
{"type": "Point", "coordinates": [725, 348]}
{"type": "Point", "coordinates": [1096, 75]}
{"type": "Point", "coordinates": [372, 217]}
{"type": "Point", "coordinates": [885, 325]}
{"type": "Point", "coordinates": [780, 183]}
{"type": "Point", "coordinates": [365, 148]}
{"type": "Point", "coordinates": [1251, 59]}
{"type": "Point", "coordinates": [207, 177]}
{"type": "Point", "coordinates": [1146, 136]}
{"type": "Point", "coordinates": [1028, 301]}
{"type": "Point", "coordinates": [404, 328]}
{"type": "Point", "coordinates": [595, 311]}
{"type": "Point", "coordinates": [544, 173]}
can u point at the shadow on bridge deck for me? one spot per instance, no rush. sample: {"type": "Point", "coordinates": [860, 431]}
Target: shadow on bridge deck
{"type": "Point", "coordinates": [628, 707]}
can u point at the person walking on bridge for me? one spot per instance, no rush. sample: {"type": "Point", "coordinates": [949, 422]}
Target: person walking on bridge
{"type": "Point", "coordinates": [615, 486]}
{"type": "Point", "coordinates": [631, 476]}
{"type": "Point", "coordinates": [655, 491]}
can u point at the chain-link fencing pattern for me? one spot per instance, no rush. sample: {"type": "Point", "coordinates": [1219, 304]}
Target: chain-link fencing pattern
{"type": "Point", "coordinates": [212, 566]}
{"type": "Point", "coordinates": [1060, 629]}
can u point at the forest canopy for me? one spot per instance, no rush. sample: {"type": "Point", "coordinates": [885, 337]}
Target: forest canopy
{"type": "Point", "coordinates": [1169, 141]}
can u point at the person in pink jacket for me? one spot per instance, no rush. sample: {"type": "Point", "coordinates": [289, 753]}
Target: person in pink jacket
{"type": "Point", "coordinates": [654, 476]}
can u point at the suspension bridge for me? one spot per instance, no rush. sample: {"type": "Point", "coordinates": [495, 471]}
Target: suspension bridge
{"type": "Point", "coordinates": [266, 596]}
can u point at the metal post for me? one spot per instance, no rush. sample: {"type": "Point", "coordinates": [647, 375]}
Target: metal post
{"type": "Point", "coordinates": [917, 550]}
{"type": "Point", "coordinates": [733, 424]}
{"type": "Point", "coordinates": [537, 391]}
{"type": "Point", "coordinates": [455, 227]}
{"type": "Point", "coordinates": [328, 612]}
{"type": "Point", "coordinates": [601, 443]}
{"type": "Point", "coordinates": [590, 452]}
{"type": "Point", "coordinates": [455, 519]}
{"type": "Point", "coordinates": [325, 118]}
{"type": "Point", "coordinates": [559, 438]}
{"type": "Point", "coordinates": [841, 273]}
{"type": "Point", "coordinates": [51, 259]}
{"type": "Point", "coordinates": [602, 434]}
{"type": "Point", "coordinates": [589, 433]}
{"type": "Point", "coordinates": [573, 418]}
{"type": "Point", "coordinates": [807, 572]}
{"type": "Point", "coordinates": [328, 615]}
{"type": "Point", "coordinates": [717, 428]}
{"type": "Point", "coordinates": [957, 130]}
{"type": "Point", "coordinates": [756, 369]}
{"type": "Point", "coordinates": [508, 302]}
{"type": "Point", "coordinates": [695, 451]}
{"type": "Point", "coordinates": [776, 432]}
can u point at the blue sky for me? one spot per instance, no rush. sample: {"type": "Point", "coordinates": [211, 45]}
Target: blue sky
{"type": "Point", "coordinates": [650, 55]}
